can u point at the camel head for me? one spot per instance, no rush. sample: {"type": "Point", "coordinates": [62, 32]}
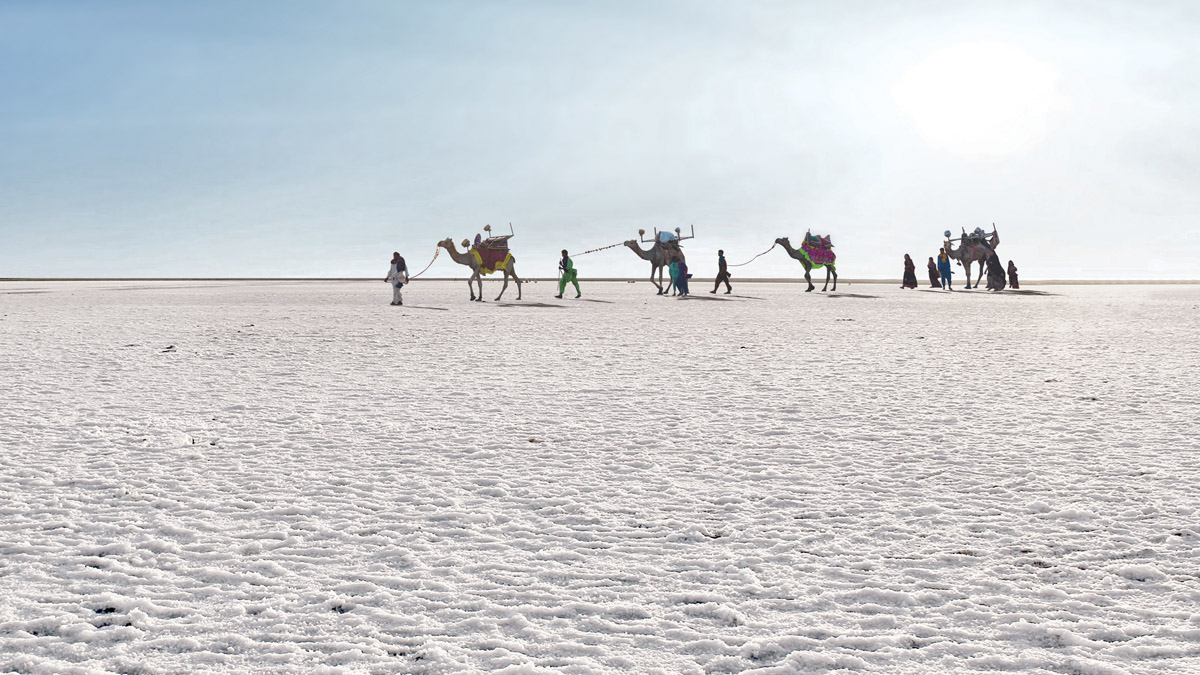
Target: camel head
{"type": "Point", "coordinates": [784, 241]}
{"type": "Point", "coordinates": [447, 244]}
{"type": "Point", "coordinates": [632, 243]}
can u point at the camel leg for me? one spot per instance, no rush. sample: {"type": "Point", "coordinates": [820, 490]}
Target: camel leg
{"type": "Point", "coordinates": [471, 289]}
{"type": "Point", "coordinates": [808, 278]}
{"type": "Point", "coordinates": [833, 271]}
{"type": "Point", "coordinates": [657, 284]}
{"type": "Point", "coordinates": [507, 273]}
{"type": "Point", "coordinates": [504, 287]}
{"type": "Point", "coordinates": [826, 287]}
{"type": "Point", "coordinates": [980, 274]}
{"type": "Point", "coordinates": [967, 267]}
{"type": "Point", "coordinates": [479, 283]}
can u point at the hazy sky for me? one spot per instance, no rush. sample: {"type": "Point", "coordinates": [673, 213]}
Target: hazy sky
{"type": "Point", "coordinates": [314, 138]}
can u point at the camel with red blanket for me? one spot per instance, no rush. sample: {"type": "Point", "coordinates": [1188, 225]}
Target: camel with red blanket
{"type": "Point", "coordinates": [487, 256]}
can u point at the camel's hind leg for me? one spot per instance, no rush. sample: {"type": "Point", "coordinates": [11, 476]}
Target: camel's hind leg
{"type": "Point", "coordinates": [828, 271]}
{"type": "Point", "coordinates": [833, 271]}
{"type": "Point", "coordinates": [513, 272]}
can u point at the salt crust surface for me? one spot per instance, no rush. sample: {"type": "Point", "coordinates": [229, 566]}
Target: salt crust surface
{"type": "Point", "coordinates": [296, 477]}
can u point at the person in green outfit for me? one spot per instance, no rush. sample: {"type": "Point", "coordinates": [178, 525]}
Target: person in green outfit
{"type": "Point", "coordinates": [567, 268]}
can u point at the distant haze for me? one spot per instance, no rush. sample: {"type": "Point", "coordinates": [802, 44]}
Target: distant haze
{"type": "Point", "coordinates": [314, 138]}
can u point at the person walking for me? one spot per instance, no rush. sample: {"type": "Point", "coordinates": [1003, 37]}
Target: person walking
{"type": "Point", "coordinates": [674, 270]}
{"type": "Point", "coordinates": [995, 272]}
{"type": "Point", "coordinates": [1012, 275]}
{"type": "Point", "coordinates": [398, 276]}
{"type": "Point", "coordinates": [934, 275]}
{"type": "Point", "coordinates": [910, 273]}
{"type": "Point", "coordinates": [682, 280]}
{"type": "Point", "coordinates": [567, 268]}
{"type": "Point", "coordinates": [944, 268]}
{"type": "Point", "coordinates": [722, 274]}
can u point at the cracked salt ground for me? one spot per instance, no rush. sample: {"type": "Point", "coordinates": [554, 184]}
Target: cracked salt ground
{"type": "Point", "coordinates": [313, 481]}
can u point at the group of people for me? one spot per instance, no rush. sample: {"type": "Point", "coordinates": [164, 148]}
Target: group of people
{"type": "Point", "coordinates": [940, 272]}
{"type": "Point", "coordinates": [398, 276]}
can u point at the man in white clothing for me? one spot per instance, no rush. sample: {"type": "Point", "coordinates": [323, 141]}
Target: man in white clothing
{"type": "Point", "coordinates": [398, 275]}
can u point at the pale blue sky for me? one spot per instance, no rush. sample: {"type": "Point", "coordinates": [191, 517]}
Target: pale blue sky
{"type": "Point", "coordinates": [313, 138]}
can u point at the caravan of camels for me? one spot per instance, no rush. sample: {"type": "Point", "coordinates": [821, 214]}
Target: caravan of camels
{"type": "Point", "coordinates": [490, 254]}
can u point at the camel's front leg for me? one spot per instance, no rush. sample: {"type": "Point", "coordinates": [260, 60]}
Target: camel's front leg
{"type": "Point", "coordinates": [967, 267]}
{"type": "Point", "coordinates": [828, 270]}
{"type": "Point", "coordinates": [980, 274]}
{"type": "Point", "coordinates": [657, 284]}
{"type": "Point", "coordinates": [479, 283]}
{"type": "Point", "coordinates": [471, 289]}
{"type": "Point", "coordinates": [808, 278]}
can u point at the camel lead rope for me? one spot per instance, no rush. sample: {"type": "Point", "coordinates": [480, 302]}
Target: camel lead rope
{"type": "Point", "coordinates": [602, 248]}
{"type": "Point", "coordinates": [755, 257]}
{"type": "Point", "coordinates": [436, 251]}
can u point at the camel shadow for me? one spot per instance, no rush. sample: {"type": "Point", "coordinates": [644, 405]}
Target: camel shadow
{"type": "Point", "coordinates": [850, 295]}
{"type": "Point", "coordinates": [1023, 292]}
{"type": "Point", "coordinates": [440, 309]}
{"type": "Point", "coordinates": [606, 302]}
{"type": "Point", "coordinates": [527, 304]}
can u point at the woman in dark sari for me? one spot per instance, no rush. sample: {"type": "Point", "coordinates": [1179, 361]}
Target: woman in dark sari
{"type": "Point", "coordinates": [935, 277]}
{"type": "Point", "coordinates": [1012, 275]}
{"type": "Point", "coordinates": [995, 272]}
{"type": "Point", "coordinates": [910, 273]}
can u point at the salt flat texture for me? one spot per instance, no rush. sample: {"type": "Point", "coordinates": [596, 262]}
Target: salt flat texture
{"type": "Point", "coordinates": [297, 477]}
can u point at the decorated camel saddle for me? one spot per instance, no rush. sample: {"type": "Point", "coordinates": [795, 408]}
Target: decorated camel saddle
{"type": "Point", "coordinates": [973, 238]}
{"type": "Point", "coordinates": [491, 253]}
{"type": "Point", "coordinates": [670, 243]}
{"type": "Point", "coordinates": [818, 249]}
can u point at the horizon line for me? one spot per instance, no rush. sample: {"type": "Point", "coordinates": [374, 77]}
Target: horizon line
{"type": "Point", "coordinates": [745, 280]}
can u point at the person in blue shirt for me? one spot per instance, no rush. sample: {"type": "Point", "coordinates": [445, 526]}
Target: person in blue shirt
{"type": "Point", "coordinates": [943, 265]}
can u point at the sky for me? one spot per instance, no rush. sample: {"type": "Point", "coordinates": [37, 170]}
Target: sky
{"type": "Point", "coordinates": [312, 139]}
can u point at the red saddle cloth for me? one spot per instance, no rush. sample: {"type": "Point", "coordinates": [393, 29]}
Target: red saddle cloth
{"type": "Point", "coordinates": [819, 250]}
{"type": "Point", "coordinates": [493, 254]}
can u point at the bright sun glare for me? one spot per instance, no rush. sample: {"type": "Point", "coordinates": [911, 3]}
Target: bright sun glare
{"type": "Point", "coordinates": [981, 99]}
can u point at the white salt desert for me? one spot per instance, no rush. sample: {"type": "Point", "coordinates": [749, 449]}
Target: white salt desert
{"type": "Point", "coordinates": [297, 477]}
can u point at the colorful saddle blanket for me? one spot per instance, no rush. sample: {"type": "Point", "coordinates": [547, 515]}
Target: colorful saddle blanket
{"type": "Point", "coordinates": [491, 259]}
{"type": "Point", "coordinates": [819, 250]}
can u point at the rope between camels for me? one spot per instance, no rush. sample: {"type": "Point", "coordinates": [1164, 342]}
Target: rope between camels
{"type": "Point", "coordinates": [437, 250]}
{"type": "Point", "coordinates": [602, 248]}
{"type": "Point", "coordinates": [755, 257]}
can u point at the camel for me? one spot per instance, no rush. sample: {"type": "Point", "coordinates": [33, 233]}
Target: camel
{"type": "Point", "coordinates": [659, 255]}
{"type": "Point", "coordinates": [476, 273]}
{"type": "Point", "coordinates": [969, 252]}
{"type": "Point", "coordinates": [830, 269]}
